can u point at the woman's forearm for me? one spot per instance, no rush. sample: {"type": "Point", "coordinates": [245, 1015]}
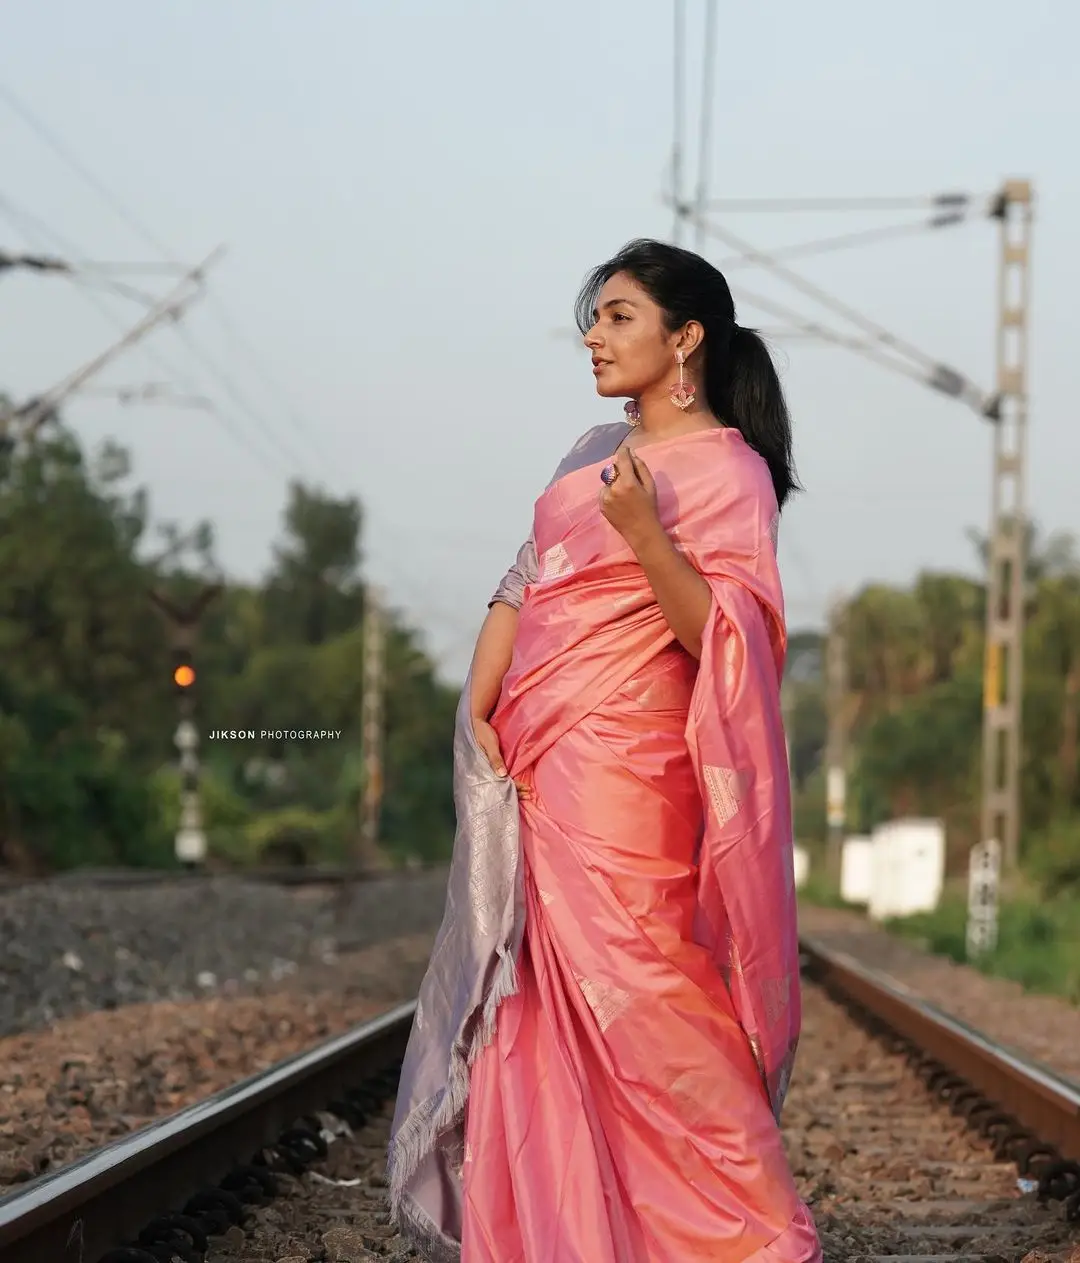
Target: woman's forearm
{"type": "Point", "coordinates": [491, 658]}
{"type": "Point", "coordinates": [682, 594]}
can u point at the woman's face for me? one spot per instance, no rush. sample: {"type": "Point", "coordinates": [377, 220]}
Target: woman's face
{"type": "Point", "coordinates": [633, 354]}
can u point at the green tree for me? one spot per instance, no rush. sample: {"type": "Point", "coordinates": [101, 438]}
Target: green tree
{"type": "Point", "coordinates": [314, 590]}
{"type": "Point", "coordinates": [920, 758]}
{"type": "Point", "coordinates": [87, 709]}
{"type": "Point", "coordinates": [1052, 648]}
{"type": "Point", "coordinates": [74, 614]}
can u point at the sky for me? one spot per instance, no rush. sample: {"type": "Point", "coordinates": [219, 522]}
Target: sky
{"type": "Point", "coordinates": [410, 195]}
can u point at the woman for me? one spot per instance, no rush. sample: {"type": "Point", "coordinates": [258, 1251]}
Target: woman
{"type": "Point", "coordinates": [605, 1035]}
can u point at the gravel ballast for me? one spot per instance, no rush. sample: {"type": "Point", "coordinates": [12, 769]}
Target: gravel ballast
{"type": "Point", "coordinates": [885, 1171]}
{"type": "Point", "coordinates": [71, 948]}
{"type": "Point", "coordinates": [93, 1078]}
{"type": "Point", "coordinates": [888, 1172]}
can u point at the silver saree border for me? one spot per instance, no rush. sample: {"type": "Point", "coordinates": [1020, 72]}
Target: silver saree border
{"type": "Point", "coordinates": [473, 968]}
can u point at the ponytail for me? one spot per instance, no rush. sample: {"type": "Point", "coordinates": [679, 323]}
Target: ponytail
{"type": "Point", "coordinates": [744, 391]}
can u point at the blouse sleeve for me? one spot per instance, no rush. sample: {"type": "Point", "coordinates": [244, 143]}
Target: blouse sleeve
{"type": "Point", "coordinates": [511, 591]}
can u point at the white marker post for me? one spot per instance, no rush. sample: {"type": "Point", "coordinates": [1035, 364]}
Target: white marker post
{"type": "Point", "coordinates": [190, 839]}
{"type": "Point", "coordinates": [984, 879]}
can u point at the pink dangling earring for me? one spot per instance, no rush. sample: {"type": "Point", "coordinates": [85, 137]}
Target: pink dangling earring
{"type": "Point", "coordinates": [633, 413]}
{"type": "Point", "coordinates": [682, 393]}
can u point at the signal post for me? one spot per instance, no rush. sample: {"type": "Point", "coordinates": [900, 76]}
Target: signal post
{"type": "Point", "coordinates": [190, 842]}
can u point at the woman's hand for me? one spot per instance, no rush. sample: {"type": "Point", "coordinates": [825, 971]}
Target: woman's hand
{"type": "Point", "coordinates": [684, 597]}
{"type": "Point", "coordinates": [488, 741]}
{"type": "Point", "coordinates": [629, 503]}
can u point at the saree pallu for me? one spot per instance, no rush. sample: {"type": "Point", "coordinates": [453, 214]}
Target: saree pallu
{"type": "Point", "coordinates": [602, 1083]}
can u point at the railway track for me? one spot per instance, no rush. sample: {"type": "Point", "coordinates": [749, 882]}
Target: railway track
{"type": "Point", "coordinates": [168, 1190]}
{"type": "Point", "coordinates": [919, 1140]}
{"type": "Point", "coordinates": [916, 1139]}
{"type": "Point", "coordinates": [135, 878]}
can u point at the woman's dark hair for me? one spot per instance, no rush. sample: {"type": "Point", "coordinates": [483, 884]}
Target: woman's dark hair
{"type": "Point", "coordinates": [742, 388]}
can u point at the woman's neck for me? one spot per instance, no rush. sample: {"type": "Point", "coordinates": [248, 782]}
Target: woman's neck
{"type": "Point", "coordinates": [661, 419]}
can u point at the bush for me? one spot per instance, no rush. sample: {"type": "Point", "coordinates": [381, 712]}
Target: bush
{"type": "Point", "coordinates": [819, 890]}
{"type": "Point", "coordinates": [78, 804]}
{"type": "Point", "coordinates": [1038, 941]}
{"type": "Point", "coordinates": [295, 836]}
{"type": "Point", "coordinates": [1053, 857]}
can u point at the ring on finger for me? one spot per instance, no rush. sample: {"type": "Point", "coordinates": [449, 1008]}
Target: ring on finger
{"type": "Point", "coordinates": [609, 474]}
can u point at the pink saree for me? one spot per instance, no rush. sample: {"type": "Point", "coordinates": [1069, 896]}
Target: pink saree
{"type": "Point", "coordinates": [607, 1029]}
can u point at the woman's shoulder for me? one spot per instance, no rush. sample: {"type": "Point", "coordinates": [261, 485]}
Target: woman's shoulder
{"type": "Point", "coordinates": [594, 445]}
{"type": "Point", "coordinates": [732, 458]}
{"type": "Point", "coordinates": [723, 480]}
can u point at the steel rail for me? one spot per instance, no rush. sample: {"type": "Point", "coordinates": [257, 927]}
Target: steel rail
{"type": "Point", "coordinates": [1040, 1100]}
{"type": "Point", "coordinates": [102, 1201]}
{"type": "Point", "coordinates": [105, 1200]}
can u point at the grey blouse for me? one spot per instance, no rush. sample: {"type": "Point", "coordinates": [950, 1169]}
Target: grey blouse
{"type": "Point", "coordinates": [595, 445]}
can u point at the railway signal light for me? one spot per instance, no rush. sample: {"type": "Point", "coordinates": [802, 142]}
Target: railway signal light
{"type": "Point", "coordinates": [183, 672]}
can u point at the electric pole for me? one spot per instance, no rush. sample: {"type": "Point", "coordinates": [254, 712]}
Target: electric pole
{"type": "Point", "coordinates": [33, 415]}
{"type": "Point", "coordinates": [1006, 563]}
{"type": "Point", "coordinates": [371, 729]}
{"type": "Point", "coordinates": [836, 749]}
{"type": "Point", "coordinates": [190, 842]}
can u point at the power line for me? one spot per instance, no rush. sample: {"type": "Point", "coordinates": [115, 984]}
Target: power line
{"type": "Point", "coordinates": [65, 152]}
{"type": "Point", "coordinates": [705, 130]}
{"type": "Point", "coordinates": [849, 240]}
{"type": "Point", "coordinates": [288, 456]}
{"type": "Point", "coordinates": [231, 389]}
{"type": "Point", "coordinates": [83, 271]}
{"type": "Point", "coordinates": [38, 411]}
{"type": "Point", "coordinates": [952, 381]}
{"type": "Point", "coordinates": [751, 254]}
{"type": "Point", "coordinates": [678, 118]}
{"type": "Point", "coordinates": [38, 230]}
{"type": "Point", "coordinates": [43, 229]}
{"type": "Point", "coordinates": [149, 392]}
{"type": "Point", "coordinates": [133, 269]}
{"type": "Point", "coordinates": [811, 329]}
{"type": "Point", "coordinates": [258, 365]}
{"type": "Point", "coordinates": [940, 201]}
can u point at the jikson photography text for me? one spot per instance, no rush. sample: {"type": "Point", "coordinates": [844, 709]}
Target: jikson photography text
{"type": "Point", "coordinates": [274, 734]}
